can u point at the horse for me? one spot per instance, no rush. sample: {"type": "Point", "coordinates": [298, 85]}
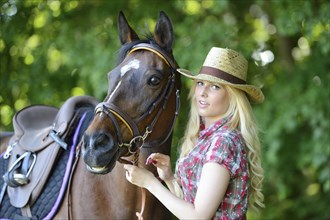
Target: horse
{"type": "Point", "coordinates": [135, 119]}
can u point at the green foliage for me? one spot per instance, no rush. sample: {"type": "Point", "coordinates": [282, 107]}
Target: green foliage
{"type": "Point", "coordinates": [51, 50]}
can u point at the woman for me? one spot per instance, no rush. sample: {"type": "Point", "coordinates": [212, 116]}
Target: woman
{"type": "Point", "coordinates": [218, 172]}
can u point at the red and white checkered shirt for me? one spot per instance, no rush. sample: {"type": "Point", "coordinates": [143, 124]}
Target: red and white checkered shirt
{"type": "Point", "coordinates": [226, 147]}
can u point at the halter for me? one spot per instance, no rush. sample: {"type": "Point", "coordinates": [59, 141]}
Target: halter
{"type": "Point", "coordinates": [116, 114]}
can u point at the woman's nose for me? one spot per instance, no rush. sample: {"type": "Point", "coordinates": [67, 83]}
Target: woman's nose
{"type": "Point", "coordinates": [203, 91]}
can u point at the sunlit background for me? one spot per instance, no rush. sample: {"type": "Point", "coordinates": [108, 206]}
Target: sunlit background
{"type": "Point", "coordinates": [52, 50]}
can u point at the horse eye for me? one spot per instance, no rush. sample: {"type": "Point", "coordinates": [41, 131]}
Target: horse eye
{"type": "Point", "coordinates": [154, 81]}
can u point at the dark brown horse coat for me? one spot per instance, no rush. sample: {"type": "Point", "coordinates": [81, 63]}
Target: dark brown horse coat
{"type": "Point", "coordinates": [136, 88]}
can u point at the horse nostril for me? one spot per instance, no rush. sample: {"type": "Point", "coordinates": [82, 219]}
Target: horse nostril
{"type": "Point", "coordinates": [84, 141]}
{"type": "Point", "coordinates": [101, 140]}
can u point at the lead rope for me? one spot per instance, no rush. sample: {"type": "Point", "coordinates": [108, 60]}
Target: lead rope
{"type": "Point", "coordinates": [139, 215]}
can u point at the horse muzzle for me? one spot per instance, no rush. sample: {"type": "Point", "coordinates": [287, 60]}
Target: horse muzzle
{"type": "Point", "coordinates": [100, 153]}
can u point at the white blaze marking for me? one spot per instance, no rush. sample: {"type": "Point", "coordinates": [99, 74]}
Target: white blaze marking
{"type": "Point", "coordinates": [114, 91]}
{"type": "Point", "coordinates": [133, 64]}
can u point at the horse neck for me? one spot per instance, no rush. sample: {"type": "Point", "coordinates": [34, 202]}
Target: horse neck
{"type": "Point", "coordinates": [111, 192]}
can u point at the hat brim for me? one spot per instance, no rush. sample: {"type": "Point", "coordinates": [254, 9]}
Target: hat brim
{"type": "Point", "coordinates": [254, 93]}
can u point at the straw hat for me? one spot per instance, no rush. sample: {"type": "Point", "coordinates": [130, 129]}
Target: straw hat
{"type": "Point", "coordinates": [228, 67]}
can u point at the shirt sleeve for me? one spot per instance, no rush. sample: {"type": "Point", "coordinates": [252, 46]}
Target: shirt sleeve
{"type": "Point", "coordinates": [226, 152]}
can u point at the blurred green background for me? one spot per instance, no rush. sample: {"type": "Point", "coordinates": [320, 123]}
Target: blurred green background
{"type": "Point", "coordinates": [52, 50]}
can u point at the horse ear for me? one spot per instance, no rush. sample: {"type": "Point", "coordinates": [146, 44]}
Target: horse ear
{"type": "Point", "coordinates": [126, 33]}
{"type": "Point", "coordinates": [164, 32]}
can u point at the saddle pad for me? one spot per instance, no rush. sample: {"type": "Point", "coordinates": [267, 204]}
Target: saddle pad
{"type": "Point", "coordinates": [51, 196]}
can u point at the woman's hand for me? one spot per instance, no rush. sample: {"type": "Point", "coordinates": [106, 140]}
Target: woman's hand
{"type": "Point", "coordinates": [163, 164]}
{"type": "Point", "coordinates": [139, 176]}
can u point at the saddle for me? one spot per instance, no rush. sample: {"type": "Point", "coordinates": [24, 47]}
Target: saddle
{"type": "Point", "coordinates": [40, 133]}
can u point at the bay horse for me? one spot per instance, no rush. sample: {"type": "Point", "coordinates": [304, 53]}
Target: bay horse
{"type": "Point", "coordinates": [135, 119]}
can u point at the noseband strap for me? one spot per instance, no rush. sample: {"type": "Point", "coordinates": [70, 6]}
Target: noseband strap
{"type": "Point", "coordinates": [110, 108]}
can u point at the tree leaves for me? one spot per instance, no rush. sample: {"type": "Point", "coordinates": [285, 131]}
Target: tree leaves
{"type": "Point", "coordinates": [51, 50]}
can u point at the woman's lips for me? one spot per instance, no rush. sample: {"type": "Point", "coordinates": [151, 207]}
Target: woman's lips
{"type": "Point", "coordinates": [202, 104]}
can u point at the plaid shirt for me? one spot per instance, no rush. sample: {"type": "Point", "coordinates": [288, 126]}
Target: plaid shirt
{"type": "Point", "coordinates": [226, 147]}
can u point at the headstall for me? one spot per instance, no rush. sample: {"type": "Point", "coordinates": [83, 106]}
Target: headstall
{"type": "Point", "coordinates": [116, 114]}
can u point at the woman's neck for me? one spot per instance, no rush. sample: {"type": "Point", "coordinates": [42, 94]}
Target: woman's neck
{"type": "Point", "coordinates": [208, 121]}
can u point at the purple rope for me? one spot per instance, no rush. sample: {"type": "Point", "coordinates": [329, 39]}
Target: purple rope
{"type": "Point", "coordinates": [67, 172]}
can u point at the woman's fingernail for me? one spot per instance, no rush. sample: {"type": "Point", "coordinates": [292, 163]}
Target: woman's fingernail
{"type": "Point", "coordinates": [149, 161]}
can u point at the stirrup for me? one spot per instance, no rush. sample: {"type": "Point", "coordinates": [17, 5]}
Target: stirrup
{"type": "Point", "coordinates": [18, 174]}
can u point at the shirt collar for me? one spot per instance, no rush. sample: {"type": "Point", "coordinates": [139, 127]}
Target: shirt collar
{"type": "Point", "coordinates": [215, 126]}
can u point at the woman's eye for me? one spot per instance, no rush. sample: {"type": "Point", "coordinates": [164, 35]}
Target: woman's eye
{"type": "Point", "coordinates": [154, 81]}
{"type": "Point", "coordinates": [199, 83]}
{"type": "Point", "coordinates": [215, 87]}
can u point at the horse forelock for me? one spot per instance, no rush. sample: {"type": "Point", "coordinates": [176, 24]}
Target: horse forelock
{"type": "Point", "coordinates": [128, 47]}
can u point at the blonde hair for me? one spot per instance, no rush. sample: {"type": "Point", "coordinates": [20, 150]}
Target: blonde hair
{"type": "Point", "coordinates": [242, 119]}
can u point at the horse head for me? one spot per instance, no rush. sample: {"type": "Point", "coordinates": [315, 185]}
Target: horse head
{"type": "Point", "coordinates": [142, 102]}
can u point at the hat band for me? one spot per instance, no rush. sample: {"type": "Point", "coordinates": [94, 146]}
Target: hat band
{"type": "Point", "coordinates": [221, 74]}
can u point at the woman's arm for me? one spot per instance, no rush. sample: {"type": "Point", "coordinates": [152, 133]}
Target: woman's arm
{"type": "Point", "coordinates": [174, 186]}
{"type": "Point", "coordinates": [213, 184]}
{"type": "Point", "coordinates": [163, 164]}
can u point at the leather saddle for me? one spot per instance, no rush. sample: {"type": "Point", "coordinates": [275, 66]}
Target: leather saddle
{"type": "Point", "coordinates": [39, 134]}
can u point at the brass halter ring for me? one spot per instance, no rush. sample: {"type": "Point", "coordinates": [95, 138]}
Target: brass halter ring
{"type": "Point", "coordinates": [135, 139]}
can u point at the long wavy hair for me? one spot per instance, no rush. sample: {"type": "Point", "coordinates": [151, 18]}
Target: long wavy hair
{"type": "Point", "coordinates": [242, 119]}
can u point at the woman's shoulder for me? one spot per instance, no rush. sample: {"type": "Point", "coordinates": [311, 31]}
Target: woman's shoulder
{"type": "Point", "coordinates": [227, 135]}
{"type": "Point", "coordinates": [227, 140]}
{"type": "Point", "coordinates": [227, 149]}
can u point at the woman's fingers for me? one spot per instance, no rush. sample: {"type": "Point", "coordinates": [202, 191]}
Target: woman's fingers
{"type": "Point", "coordinates": [133, 173]}
{"type": "Point", "coordinates": [150, 161]}
{"type": "Point", "coordinates": [128, 169]}
{"type": "Point", "coordinates": [163, 164]}
{"type": "Point", "coordinates": [138, 176]}
{"type": "Point", "coordinates": [158, 159]}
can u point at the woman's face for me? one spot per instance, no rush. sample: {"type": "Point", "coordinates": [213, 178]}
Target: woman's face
{"type": "Point", "coordinates": [212, 101]}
